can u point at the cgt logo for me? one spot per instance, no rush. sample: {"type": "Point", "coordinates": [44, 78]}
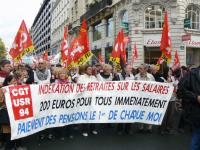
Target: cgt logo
{"type": "Point", "coordinates": [21, 102]}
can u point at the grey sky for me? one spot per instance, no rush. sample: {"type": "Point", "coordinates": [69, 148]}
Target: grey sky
{"type": "Point", "coordinates": [12, 12]}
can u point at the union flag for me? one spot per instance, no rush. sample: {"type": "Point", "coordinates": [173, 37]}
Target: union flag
{"type": "Point", "coordinates": [22, 44]}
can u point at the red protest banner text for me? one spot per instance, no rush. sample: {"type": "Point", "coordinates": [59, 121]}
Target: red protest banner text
{"type": "Point", "coordinates": [21, 102]}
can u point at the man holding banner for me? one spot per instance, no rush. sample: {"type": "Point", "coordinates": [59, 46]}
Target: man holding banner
{"type": "Point", "coordinates": [143, 75]}
{"type": "Point", "coordinates": [33, 108]}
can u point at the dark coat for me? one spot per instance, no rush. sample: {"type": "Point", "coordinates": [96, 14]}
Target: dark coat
{"type": "Point", "coordinates": [188, 91]}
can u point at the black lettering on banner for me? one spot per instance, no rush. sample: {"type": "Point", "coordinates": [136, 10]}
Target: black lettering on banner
{"type": "Point", "coordinates": [140, 101]}
{"type": "Point", "coordinates": [45, 105]}
{"type": "Point", "coordinates": [106, 101]}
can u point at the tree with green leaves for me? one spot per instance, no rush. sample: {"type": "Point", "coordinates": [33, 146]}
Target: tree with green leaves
{"type": "Point", "coordinates": [3, 52]}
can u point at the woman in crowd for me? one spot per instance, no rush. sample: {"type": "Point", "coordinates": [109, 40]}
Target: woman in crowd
{"type": "Point", "coordinates": [84, 79]}
{"type": "Point", "coordinates": [62, 77]}
{"type": "Point", "coordinates": [10, 80]}
{"type": "Point", "coordinates": [172, 117]}
{"type": "Point", "coordinates": [5, 69]}
{"type": "Point", "coordinates": [106, 75]}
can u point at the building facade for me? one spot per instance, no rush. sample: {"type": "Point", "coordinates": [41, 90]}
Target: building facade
{"type": "Point", "coordinates": [65, 13]}
{"type": "Point", "coordinates": [60, 18]}
{"type": "Point", "coordinates": [101, 20]}
{"type": "Point", "coordinates": [41, 28]}
{"type": "Point", "coordinates": [142, 21]}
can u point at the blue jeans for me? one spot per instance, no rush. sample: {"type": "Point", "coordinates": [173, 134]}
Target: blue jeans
{"type": "Point", "coordinates": [195, 139]}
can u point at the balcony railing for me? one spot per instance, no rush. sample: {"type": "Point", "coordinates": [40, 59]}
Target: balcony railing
{"type": "Point", "coordinates": [95, 8]}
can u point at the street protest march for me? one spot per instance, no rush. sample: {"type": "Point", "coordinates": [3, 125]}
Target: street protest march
{"type": "Point", "coordinates": [33, 108]}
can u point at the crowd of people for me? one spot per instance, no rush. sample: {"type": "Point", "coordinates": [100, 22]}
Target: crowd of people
{"type": "Point", "coordinates": [43, 72]}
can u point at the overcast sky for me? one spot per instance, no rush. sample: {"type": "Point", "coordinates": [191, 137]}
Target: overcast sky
{"type": "Point", "coordinates": [12, 12]}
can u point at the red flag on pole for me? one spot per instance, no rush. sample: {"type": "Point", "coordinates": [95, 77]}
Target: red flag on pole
{"type": "Point", "coordinates": [80, 48]}
{"type": "Point", "coordinates": [176, 61]}
{"type": "Point", "coordinates": [64, 46]}
{"type": "Point", "coordinates": [135, 54]}
{"type": "Point", "coordinates": [115, 55]}
{"type": "Point", "coordinates": [160, 61]}
{"type": "Point", "coordinates": [122, 44]}
{"type": "Point", "coordinates": [165, 45]}
{"type": "Point", "coordinates": [22, 44]}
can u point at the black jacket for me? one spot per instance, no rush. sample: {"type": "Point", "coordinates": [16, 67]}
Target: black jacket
{"type": "Point", "coordinates": [30, 79]}
{"type": "Point", "coordinates": [158, 77]}
{"type": "Point", "coordinates": [188, 91]}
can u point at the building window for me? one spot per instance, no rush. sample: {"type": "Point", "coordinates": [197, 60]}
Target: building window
{"type": "Point", "coordinates": [109, 27]}
{"type": "Point", "coordinates": [192, 13]}
{"type": "Point", "coordinates": [97, 34]}
{"type": "Point", "coordinates": [154, 16]}
{"type": "Point", "coordinates": [124, 17]}
{"type": "Point", "coordinates": [72, 14]}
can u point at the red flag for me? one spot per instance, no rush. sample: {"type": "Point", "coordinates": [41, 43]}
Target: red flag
{"type": "Point", "coordinates": [45, 56]}
{"type": "Point", "coordinates": [80, 47]}
{"type": "Point", "coordinates": [84, 36]}
{"type": "Point", "coordinates": [64, 46]}
{"type": "Point", "coordinates": [122, 44]}
{"type": "Point", "coordinates": [165, 45]}
{"type": "Point", "coordinates": [76, 49]}
{"type": "Point", "coordinates": [115, 55]}
{"type": "Point", "coordinates": [160, 60]}
{"type": "Point", "coordinates": [119, 50]}
{"type": "Point", "coordinates": [135, 53]}
{"type": "Point", "coordinates": [176, 61]}
{"type": "Point", "coordinates": [100, 57]}
{"type": "Point", "coordinates": [22, 44]}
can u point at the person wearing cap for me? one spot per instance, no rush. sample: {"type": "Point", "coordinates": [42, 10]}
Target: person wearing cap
{"type": "Point", "coordinates": [143, 75]}
{"type": "Point", "coordinates": [42, 74]}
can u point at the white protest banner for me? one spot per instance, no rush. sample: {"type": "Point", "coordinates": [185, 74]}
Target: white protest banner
{"type": "Point", "coordinates": [33, 108]}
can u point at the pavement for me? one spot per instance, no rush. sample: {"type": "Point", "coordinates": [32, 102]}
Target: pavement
{"type": "Point", "coordinates": [108, 139]}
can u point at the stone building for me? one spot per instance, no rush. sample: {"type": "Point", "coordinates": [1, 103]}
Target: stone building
{"type": "Point", "coordinates": [142, 21]}
{"type": "Point", "coordinates": [41, 28]}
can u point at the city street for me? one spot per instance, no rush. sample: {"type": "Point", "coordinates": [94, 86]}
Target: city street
{"type": "Point", "coordinates": [108, 140]}
{"type": "Point", "coordinates": [100, 75]}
